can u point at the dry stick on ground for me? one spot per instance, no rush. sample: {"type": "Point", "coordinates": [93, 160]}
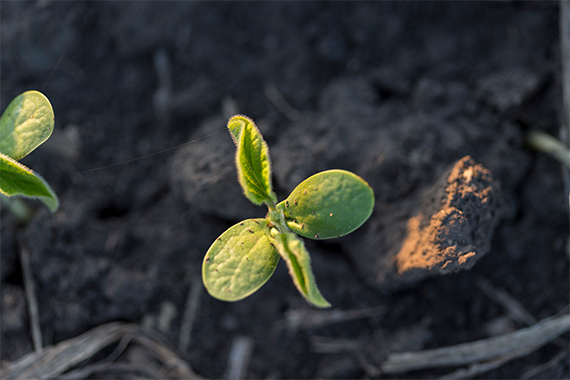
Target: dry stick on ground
{"type": "Point", "coordinates": [482, 355]}
{"type": "Point", "coordinates": [565, 57]}
{"type": "Point", "coordinates": [310, 318]}
{"type": "Point", "coordinates": [175, 367]}
{"type": "Point", "coordinates": [31, 298]}
{"type": "Point", "coordinates": [240, 355]}
{"type": "Point", "coordinates": [192, 306]}
{"type": "Point", "coordinates": [514, 308]}
{"type": "Point", "coordinates": [84, 372]}
{"type": "Point", "coordinates": [326, 345]}
{"type": "Point", "coordinates": [55, 360]}
{"type": "Point", "coordinates": [479, 368]}
{"type": "Point", "coordinates": [564, 13]}
{"type": "Point", "coordinates": [482, 350]}
{"type": "Point", "coordinates": [543, 367]}
{"type": "Point", "coordinates": [121, 347]}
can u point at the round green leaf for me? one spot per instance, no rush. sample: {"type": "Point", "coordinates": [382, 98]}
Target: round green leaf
{"type": "Point", "coordinates": [240, 261]}
{"type": "Point", "coordinates": [329, 204]}
{"type": "Point", "coordinates": [18, 180]}
{"type": "Point", "coordinates": [25, 124]}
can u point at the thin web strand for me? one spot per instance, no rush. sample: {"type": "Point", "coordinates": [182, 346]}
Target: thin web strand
{"type": "Point", "coordinates": [55, 68]}
{"type": "Point", "coordinates": [151, 154]}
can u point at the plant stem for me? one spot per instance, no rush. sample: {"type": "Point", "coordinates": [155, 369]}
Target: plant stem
{"type": "Point", "coordinates": [548, 144]}
{"type": "Point", "coordinates": [278, 219]}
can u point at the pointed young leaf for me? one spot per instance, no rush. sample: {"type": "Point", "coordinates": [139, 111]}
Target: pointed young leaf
{"type": "Point", "coordinates": [18, 180]}
{"type": "Point", "coordinates": [240, 261]}
{"type": "Point", "coordinates": [329, 204]}
{"type": "Point", "coordinates": [252, 160]}
{"type": "Point", "coordinates": [293, 251]}
{"type": "Point", "coordinates": [25, 124]}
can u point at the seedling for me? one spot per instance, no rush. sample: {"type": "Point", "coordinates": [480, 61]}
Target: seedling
{"type": "Point", "coordinates": [26, 123]}
{"type": "Point", "coordinates": [329, 204]}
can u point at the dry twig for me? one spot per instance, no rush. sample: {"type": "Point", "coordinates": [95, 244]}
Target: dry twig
{"type": "Point", "coordinates": [481, 356]}
{"type": "Point", "coordinates": [325, 345]}
{"type": "Point", "coordinates": [240, 354]}
{"type": "Point", "coordinates": [31, 298]}
{"type": "Point", "coordinates": [192, 306]}
{"type": "Point", "coordinates": [54, 361]}
{"type": "Point", "coordinates": [482, 350]}
{"type": "Point", "coordinates": [84, 372]}
{"type": "Point", "coordinates": [543, 367]}
{"type": "Point", "coordinates": [515, 309]}
{"type": "Point", "coordinates": [479, 368]}
{"type": "Point", "coordinates": [564, 14]}
{"type": "Point", "coordinates": [311, 318]}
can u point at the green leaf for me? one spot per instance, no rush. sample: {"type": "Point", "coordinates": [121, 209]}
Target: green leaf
{"type": "Point", "coordinates": [18, 180]}
{"type": "Point", "coordinates": [25, 124]}
{"type": "Point", "coordinates": [240, 261]}
{"type": "Point", "coordinates": [20, 209]}
{"type": "Point", "coordinates": [252, 160]}
{"type": "Point", "coordinates": [293, 251]}
{"type": "Point", "coordinates": [329, 204]}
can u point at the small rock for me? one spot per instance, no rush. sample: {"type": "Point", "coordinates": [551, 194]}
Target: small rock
{"type": "Point", "coordinates": [444, 229]}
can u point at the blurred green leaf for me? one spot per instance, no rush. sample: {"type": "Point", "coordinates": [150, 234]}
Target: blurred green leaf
{"type": "Point", "coordinates": [16, 179]}
{"type": "Point", "coordinates": [25, 124]}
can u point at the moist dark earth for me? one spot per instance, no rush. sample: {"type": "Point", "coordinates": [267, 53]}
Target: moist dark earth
{"type": "Point", "coordinates": [395, 92]}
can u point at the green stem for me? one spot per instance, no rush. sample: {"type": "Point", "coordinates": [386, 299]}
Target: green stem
{"type": "Point", "coordinates": [271, 205]}
{"type": "Point", "coordinates": [277, 217]}
{"type": "Point", "coordinates": [550, 145]}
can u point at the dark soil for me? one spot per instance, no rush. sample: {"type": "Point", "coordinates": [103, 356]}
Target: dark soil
{"type": "Point", "coordinates": [396, 92]}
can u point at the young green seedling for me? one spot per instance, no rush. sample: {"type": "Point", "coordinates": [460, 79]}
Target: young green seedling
{"type": "Point", "coordinates": [329, 204]}
{"type": "Point", "coordinates": [25, 124]}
